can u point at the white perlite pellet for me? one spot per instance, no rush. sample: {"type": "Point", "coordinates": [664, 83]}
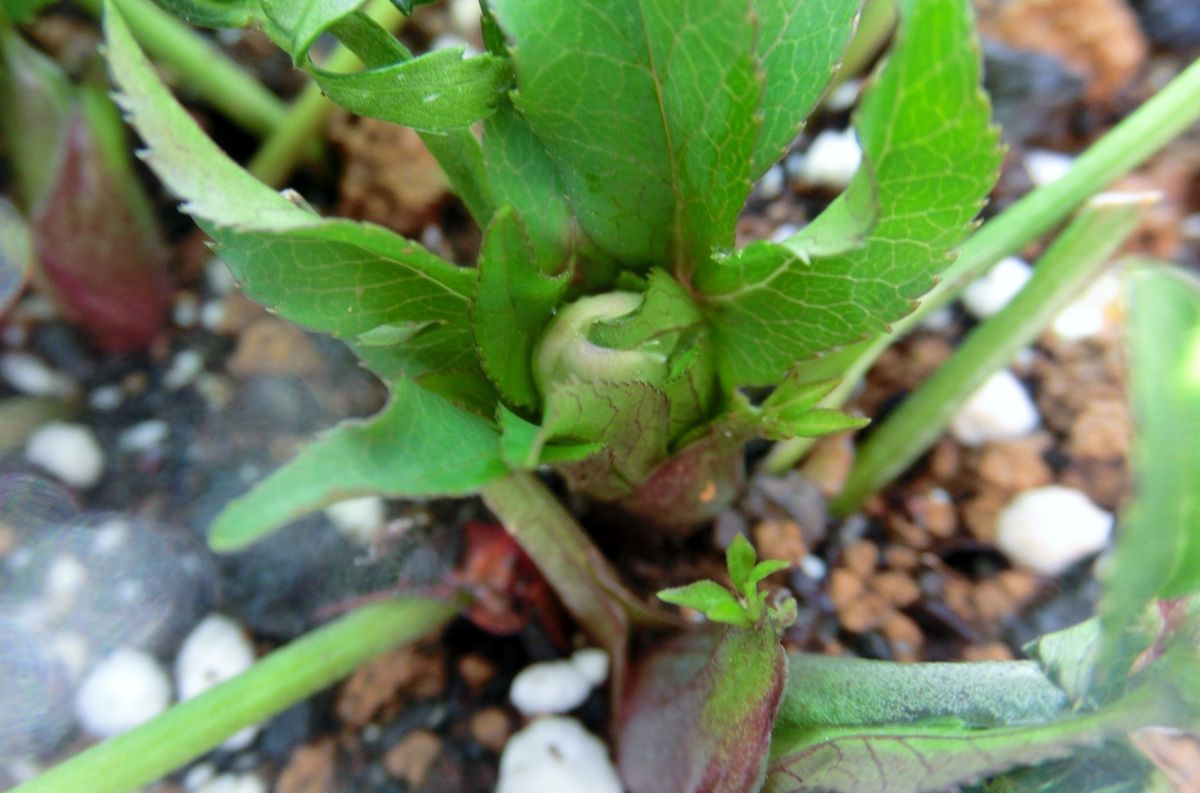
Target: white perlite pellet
{"type": "Point", "coordinates": [592, 663]}
{"type": "Point", "coordinates": [185, 367]}
{"type": "Point", "coordinates": [32, 377]}
{"type": "Point", "coordinates": [1091, 313]}
{"type": "Point", "coordinates": [556, 755]}
{"type": "Point", "coordinates": [233, 783]}
{"type": "Point", "coordinates": [1050, 528]}
{"type": "Point", "coordinates": [549, 687]}
{"type": "Point", "coordinates": [992, 292]}
{"type": "Point", "coordinates": [830, 161]}
{"type": "Point", "coordinates": [68, 451]}
{"type": "Point", "coordinates": [360, 519]}
{"type": "Point", "coordinates": [216, 650]}
{"type": "Point", "coordinates": [1046, 167]}
{"type": "Point", "coordinates": [124, 690]}
{"type": "Point", "coordinates": [1000, 410]}
{"type": "Point", "coordinates": [144, 436]}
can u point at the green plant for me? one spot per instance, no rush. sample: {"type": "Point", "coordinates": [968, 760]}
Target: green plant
{"type": "Point", "coordinates": [611, 331]}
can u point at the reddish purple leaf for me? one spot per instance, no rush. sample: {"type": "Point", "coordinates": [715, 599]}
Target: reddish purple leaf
{"type": "Point", "coordinates": [698, 713]}
{"type": "Point", "coordinates": [95, 236]}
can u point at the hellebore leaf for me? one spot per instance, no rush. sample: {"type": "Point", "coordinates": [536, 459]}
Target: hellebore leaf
{"type": "Point", "coordinates": [97, 240]}
{"type": "Point", "coordinates": [336, 276]}
{"type": "Point", "coordinates": [710, 599]}
{"type": "Point", "coordinates": [647, 107]}
{"type": "Point", "coordinates": [739, 560]}
{"type": "Point", "coordinates": [522, 448]}
{"type": "Point", "coordinates": [1115, 768]}
{"type": "Point", "coordinates": [512, 304]}
{"type": "Point", "coordinates": [418, 445]}
{"type": "Point", "coordinates": [435, 92]}
{"type": "Point", "coordinates": [800, 46]}
{"type": "Point", "coordinates": [215, 13]}
{"type": "Point", "coordinates": [697, 715]}
{"type": "Point", "coordinates": [295, 24]}
{"type": "Point", "coordinates": [852, 726]}
{"type": "Point", "coordinates": [22, 11]}
{"type": "Point", "coordinates": [1158, 545]}
{"type": "Point", "coordinates": [769, 308]}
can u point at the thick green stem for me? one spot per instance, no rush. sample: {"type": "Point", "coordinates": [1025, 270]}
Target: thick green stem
{"type": "Point", "coordinates": [1074, 258]}
{"type": "Point", "coordinates": [281, 679]}
{"type": "Point", "coordinates": [875, 26]}
{"type": "Point", "coordinates": [288, 143]}
{"type": "Point", "coordinates": [204, 69]}
{"type": "Point", "coordinates": [1151, 127]}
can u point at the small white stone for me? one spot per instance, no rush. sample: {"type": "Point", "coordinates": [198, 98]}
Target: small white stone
{"type": "Point", "coordinates": [549, 687]}
{"type": "Point", "coordinates": [30, 375]}
{"type": "Point", "coordinates": [106, 398]}
{"type": "Point", "coordinates": [124, 690]}
{"type": "Point", "coordinates": [1091, 313]}
{"type": "Point", "coordinates": [186, 311]}
{"type": "Point", "coordinates": [992, 292]}
{"type": "Point", "coordinates": [556, 755]}
{"type": "Point", "coordinates": [216, 650]}
{"type": "Point", "coordinates": [1051, 528]}
{"type": "Point", "coordinates": [360, 519]}
{"type": "Point", "coordinates": [110, 535]}
{"type": "Point", "coordinates": [218, 278]}
{"type": "Point", "coordinates": [1045, 167]}
{"type": "Point", "coordinates": [1190, 227]}
{"type": "Point", "coordinates": [1001, 410]}
{"type": "Point", "coordinates": [65, 577]}
{"type": "Point", "coordinates": [831, 160]}
{"type": "Point", "coordinates": [72, 650]}
{"type": "Point", "coordinates": [466, 16]}
{"type": "Point", "coordinates": [592, 663]}
{"type": "Point", "coordinates": [770, 186]}
{"type": "Point", "coordinates": [784, 231]}
{"type": "Point", "coordinates": [144, 436]}
{"type": "Point", "coordinates": [938, 320]}
{"type": "Point", "coordinates": [212, 315]}
{"type": "Point", "coordinates": [185, 367]}
{"type": "Point", "coordinates": [233, 783]}
{"type": "Point", "coordinates": [69, 451]}
{"type": "Point", "coordinates": [197, 775]}
{"type": "Point", "coordinates": [843, 96]}
{"type": "Point", "coordinates": [453, 40]}
{"type": "Point", "coordinates": [814, 567]}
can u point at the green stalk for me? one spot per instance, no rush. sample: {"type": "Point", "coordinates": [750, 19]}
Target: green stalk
{"type": "Point", "coordinates": [1151, 127]}
{"type": "Point", "coordinates": [286, 146]}
{"type": "Point", "coordinates": [281, 679]}
{"type": "Point", "coordinates": [205, 70]}
{"type": "Point", "coordinates": [875, 25]}
{"type": "Point", "coordinates": [1065, 269]}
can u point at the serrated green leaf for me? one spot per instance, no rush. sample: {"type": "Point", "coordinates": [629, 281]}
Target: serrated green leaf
{"type": "Point", "coordinates": [408, 6]}
{"type": "Point", "coordinates": [522, 447]}
{"type": "Point", "coordinates": [845, 224]}
{"type": "Point", "coordinates": [22, 11]}
{"type": "Point", "coordinates": [16, 254]}
{"type": "Point", "coordinates": [343, 277]}
{"type": "Point", "coordinates": [336, 276]}
{"type": "Point", "coordinates": [511, 306]}
{"type": "Point", "coordinates": [435, 92]}
{"type": "Point", "coordinates": [522, 176]}
{"type": "Point", "coordinates": [933, 168]}
{"type": "Point", "coordinates": [800, 46]}
{"type": "Point", "coordinates": [648, 109]}
{"type": "Point", "coordinates": [665, 313]}
{"type": "Point", "coordinates": [796, 395]}
{"type": "Point", "coordinates": [296, 24]}
{"type": "Point", "coordinates": [730, 613]}
{"type": "Point", "coordinates": [739, 560]}
{"type": "Point", "coordinates": [419, 445]}
{"type": "Point", "coordinates": [1158, 546]}
{"type": "Point", "coordinates": [700, 596]}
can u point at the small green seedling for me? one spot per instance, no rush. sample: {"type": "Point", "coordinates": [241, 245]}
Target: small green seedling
{"type": "Point", "coordinates": [744, 606]}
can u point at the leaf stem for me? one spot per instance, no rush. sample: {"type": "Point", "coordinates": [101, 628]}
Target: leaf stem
{"type": "Point", "coordinates": [1070, 263]}
{"type": "Point", "coordinates": [1151, 127]}
{"type": "Point", "coordinates": [584, 580]}
{"type": "Point", "coordinates": [281, 679]}
{"type": "Point", "coordinates": [288, 142]}
{"type": "Point", "coordinates": [206, 70]}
